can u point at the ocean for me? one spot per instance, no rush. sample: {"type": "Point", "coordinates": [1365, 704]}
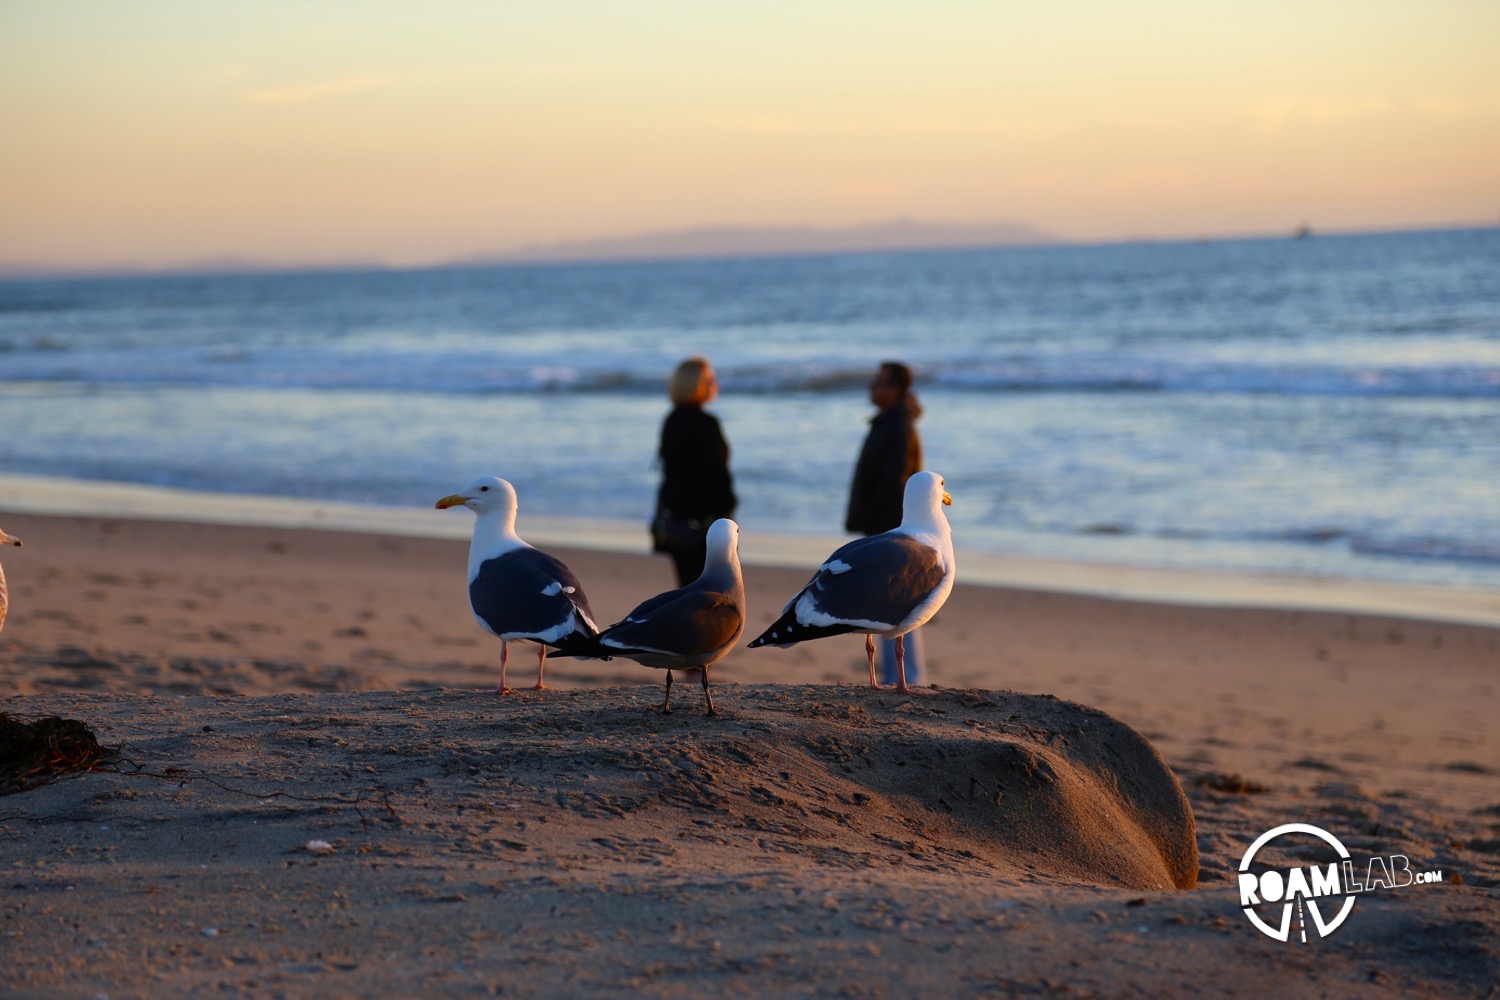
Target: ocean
{"type": "Point", "coordinates": [1326, 406]}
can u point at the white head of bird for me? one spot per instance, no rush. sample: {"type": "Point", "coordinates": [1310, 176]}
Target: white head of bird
{"type": "Point", "coordinates": [493, 502]}
{"type": "Point", "coordinates": [723, 544]}
{"type": "Point", "coordinates": [922, 504]}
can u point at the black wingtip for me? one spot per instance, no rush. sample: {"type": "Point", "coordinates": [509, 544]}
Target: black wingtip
{"type": "Point", "coordinates": [771, 636]}
{"type": "Point", "coordinates": [579, 651]}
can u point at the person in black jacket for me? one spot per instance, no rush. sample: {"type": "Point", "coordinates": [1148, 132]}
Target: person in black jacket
{"type": "Point", "coordinates": [891, 455]}
{"type": "Point", "coordinates": [696, 486]}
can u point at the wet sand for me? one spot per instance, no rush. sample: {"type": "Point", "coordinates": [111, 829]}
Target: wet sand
{"type": "Point", "coordinates": [282, 687]}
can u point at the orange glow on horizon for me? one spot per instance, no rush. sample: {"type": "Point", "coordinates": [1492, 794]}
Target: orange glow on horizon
{"type": "Point", "coordinates": [161, 132]}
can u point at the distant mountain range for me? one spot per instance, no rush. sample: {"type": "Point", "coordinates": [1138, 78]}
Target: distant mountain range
{"type": "Point", "coordinates": [704, 241]}
{"type": "Point", "coordinates": [673, 244]}
{"type": "Point", "coordinates": [760, 241]}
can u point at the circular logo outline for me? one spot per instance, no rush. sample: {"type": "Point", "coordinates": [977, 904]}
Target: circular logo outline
{"type": "Point", "coordinates": [1284, 932]}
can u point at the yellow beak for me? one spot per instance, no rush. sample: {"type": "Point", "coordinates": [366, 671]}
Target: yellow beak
{"type": "Point", "coordinates": [456, 500]}
{"type": "Point", "coordinates": [947, 500]}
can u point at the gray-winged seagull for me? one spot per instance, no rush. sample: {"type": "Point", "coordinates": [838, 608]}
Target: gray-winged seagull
{"type": "Point", "coordinates": [693, 626]}
{"type": "Point", "coordinates": [4, 596]}
{"type": "Point", "coordinates": [886, 584]}
{"type": "Point", "coordinates": [515, 590]}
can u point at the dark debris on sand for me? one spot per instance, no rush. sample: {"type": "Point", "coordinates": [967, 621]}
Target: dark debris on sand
{"type": "Point", "coordinates": [37, 751]}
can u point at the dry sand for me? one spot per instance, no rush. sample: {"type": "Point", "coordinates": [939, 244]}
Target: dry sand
{"type": "Point", "coordinates": [275, 691]}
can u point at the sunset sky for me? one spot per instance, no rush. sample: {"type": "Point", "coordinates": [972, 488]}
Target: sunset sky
{"type": "Point", "coordinates": [157, 132]}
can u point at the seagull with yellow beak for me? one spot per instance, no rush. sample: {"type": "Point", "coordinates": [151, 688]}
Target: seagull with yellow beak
{"type": "Point", "coordinates": [885, 584]}
{"type": "Point", "coordinates": [516, 591]}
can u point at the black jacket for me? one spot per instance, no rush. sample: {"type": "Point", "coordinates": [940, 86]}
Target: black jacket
{"type": "Point", "coordinates": [891, 455]}
{"type": "Point", "coordinates": [695, 480]}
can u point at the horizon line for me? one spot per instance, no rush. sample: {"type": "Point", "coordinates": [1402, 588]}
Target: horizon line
{"type": "Point", "coordinates": [541, 255]}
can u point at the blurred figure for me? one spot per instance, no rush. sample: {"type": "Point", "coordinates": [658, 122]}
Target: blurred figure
{"type": "Point", "coordinates": [696, 487]}
{"type": "Point", "coordinates": [4, 601]}
{"type": "Point", "coordinates": [891, 455]}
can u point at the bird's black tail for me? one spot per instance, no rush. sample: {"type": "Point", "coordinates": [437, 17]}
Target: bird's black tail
{"type": "Point", "coordinates": [582, 647]}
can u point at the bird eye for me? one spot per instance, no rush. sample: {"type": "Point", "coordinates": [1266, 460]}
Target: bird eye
{"type": "Point", "coordinates": [484, 489]}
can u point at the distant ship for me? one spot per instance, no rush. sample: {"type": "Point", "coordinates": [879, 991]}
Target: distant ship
{"type": "Point", "coordinates": [1302, 232]}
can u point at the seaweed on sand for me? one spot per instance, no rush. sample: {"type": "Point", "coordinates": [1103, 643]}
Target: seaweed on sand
{"type": "Point", "coordinates": [37, 751]}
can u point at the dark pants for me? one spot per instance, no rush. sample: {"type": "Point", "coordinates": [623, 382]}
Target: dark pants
{"type": "Point", "coordinates": [688, 558]}
{"type": "Point", "coordinates": [686, 542]}
{"type": "Point", "coordinates": [886, 648]}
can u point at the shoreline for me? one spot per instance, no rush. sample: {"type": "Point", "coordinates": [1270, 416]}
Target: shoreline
{"type": "Point", "coordinates": [51, 496]}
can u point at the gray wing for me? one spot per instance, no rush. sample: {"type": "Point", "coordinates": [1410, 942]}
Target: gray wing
{"type": "Point", "coordinates": [880, 579]}
{"type": "Point", "coordinates": [694, 623]}
{"type": "Point", "coordinates": [527, 592]}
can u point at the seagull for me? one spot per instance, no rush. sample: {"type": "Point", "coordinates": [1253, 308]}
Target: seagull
{"type": "Point", "coordinates": [693, 626]}
{"type": "Point", "coordinates": [886, 584]}
{"type": "Point", "coordinates": [4, 601]}
{"type": "Point", "coordinates": [517, 591]}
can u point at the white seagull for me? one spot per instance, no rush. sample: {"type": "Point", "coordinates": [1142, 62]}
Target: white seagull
{"type": "Point", "coordinates": [4, 597]}
{"type": "Point", "coordinates": [693, 626]}
{"type": "Point", "coordinates": [886, 584]}
{"type": "Point", "coordinates": [516, 591]}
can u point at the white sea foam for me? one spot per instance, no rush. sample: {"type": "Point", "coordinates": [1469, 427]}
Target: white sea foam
{"type": "Point", "coordinates": [1325, 407]}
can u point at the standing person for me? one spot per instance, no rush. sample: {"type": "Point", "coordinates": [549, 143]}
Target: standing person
{"type": "Point", "coordinates": [891, 455]}
{"type": "Point", "coordinates": [696, 487]}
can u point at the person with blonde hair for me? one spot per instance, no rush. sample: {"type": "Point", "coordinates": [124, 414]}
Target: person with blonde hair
{"type": "Point", "coordinates": [696, 486]}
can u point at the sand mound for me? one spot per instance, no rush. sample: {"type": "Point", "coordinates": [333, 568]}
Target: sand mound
{"type": "Point", "coordinates": [815, 841]}
{"type": "Point", "coordinates": [1004, 786]}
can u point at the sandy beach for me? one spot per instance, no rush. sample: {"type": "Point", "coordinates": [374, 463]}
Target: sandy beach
{"type": "Point", "coordinates": [318, 794]}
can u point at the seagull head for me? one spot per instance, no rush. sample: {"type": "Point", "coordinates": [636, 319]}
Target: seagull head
{"type": "Point", "coordinates": [724, 541]}
{"type": "Point", "coordinates": [925, 498]}
{"type": "Point", "coordinates": [483, 496]}
{"type": "Point", "coordinates": [6, 539]}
